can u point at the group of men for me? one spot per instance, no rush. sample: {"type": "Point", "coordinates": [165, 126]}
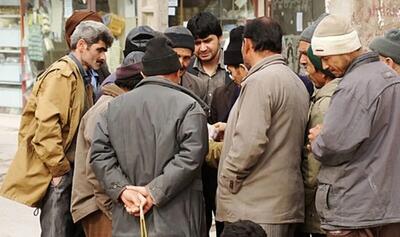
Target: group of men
{"type": "Point", "coordinates": [184, 131]}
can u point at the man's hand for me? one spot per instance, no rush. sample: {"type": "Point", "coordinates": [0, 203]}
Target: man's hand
{"type": "Point", "coordinates": [56, 180]}
{"type": "Point", "coordinates": [313, 133]}
{"type": "Point", "coordinates": [220, 130]}
{"type": "Point", "coordinates": [132, 200]}
{"type": "Point", "coordinates": [143, 191]}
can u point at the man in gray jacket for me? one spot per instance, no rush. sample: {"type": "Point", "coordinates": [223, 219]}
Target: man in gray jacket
{"type": "Point", "coordinates": [259, 176]}
{"type": "Point", "coordinates": [148, 150]}
{"type": "Point", "coordinates": [358, 192]}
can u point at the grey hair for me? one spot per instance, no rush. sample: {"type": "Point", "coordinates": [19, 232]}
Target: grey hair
{"type": "Point", "coordinates": [92, 32]}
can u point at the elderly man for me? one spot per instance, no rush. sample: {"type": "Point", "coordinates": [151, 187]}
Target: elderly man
{"type": "Point", "coordinates": [358, 192]}
{"type": "Point", "coordinates": [183, 45]}
{"type": "Point", "coordinates": [41, 173]}
{"type": "Point", "coordinates": [388, 48]}
{"type": "Point", "coordinates": [264, 139]}
{"type": "Point", "coordinates": [148, 151]}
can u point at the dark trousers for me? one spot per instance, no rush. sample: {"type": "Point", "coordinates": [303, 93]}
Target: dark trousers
{"type": "Point", "coordinates": [390, 230]}
{"type": "Point", "coordinates": [55, 215]}
{"type": "Point", "coordinates": [210, 176]}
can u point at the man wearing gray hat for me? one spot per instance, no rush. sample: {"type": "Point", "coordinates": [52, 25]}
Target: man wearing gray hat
{"type": "Point", "coordinates": [183, 44]}
{"type": "Point", "coordinates": [388, 48]}
{"type": "Point", "coordinates": [358, 192]}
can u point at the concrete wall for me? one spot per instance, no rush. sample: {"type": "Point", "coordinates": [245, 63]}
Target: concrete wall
{"type": "Point", "coordinates": [370, 17]}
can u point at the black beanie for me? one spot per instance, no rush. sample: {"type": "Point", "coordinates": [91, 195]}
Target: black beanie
{"type": "Point", "coordinates": [180, 37]}
{"type": "Point", "coordinates": [137, 39]}
{"type": "Point", "coordinates": [233, 53]}
{"type": "Point", "coordinates": [160, 58]}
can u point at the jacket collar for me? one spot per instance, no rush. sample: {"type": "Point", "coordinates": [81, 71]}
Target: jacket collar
{"type": "Point", "coordinates": [159, 80]}
{"type": "Point", "coordinates": [363, 59]}
{"type": "Point", "coordinates": [270, 60]}
{"type": "Point", "coordinates": [85, 75]}
{"type": "Point", "coordinates": [326, 90]}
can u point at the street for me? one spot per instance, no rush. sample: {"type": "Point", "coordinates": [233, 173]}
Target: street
{"type": "Point", "coordinates": [16, 220]}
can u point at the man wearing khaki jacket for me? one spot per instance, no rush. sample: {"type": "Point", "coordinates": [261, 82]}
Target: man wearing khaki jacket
{"type": "Point", "coordinates": [259, 175]}
{"type": "Point", "coordinates": [41, 172]}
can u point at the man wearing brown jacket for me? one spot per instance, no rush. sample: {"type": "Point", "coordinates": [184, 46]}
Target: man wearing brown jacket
{"type": "Point", "coordinates": [259, 175]}
{"type": "Point", "coordinates": [90, 204]}
{"type": "Point", "coordinates": [41, 174]}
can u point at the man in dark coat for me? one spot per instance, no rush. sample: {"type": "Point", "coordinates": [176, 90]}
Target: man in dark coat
{"type": "Point", "coordinates": [148, 150]}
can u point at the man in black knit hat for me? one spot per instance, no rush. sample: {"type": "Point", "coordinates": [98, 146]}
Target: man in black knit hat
{"type": "Point", "coordinates": [149, 148]}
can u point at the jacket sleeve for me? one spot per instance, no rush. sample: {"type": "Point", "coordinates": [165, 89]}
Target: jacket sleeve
{"type": "Point", "coordinates": [186, 164]}
{"type": "Point", "coordinates": [346, 124]}
{"type": "Point", "coordinates": [249, 135]}
{"type": "Point", "coordinates": [103, 201]}
{"type": "Point", "coordinates": [104, 162]}
{"type": "Point", "coordinates": [53, 104]}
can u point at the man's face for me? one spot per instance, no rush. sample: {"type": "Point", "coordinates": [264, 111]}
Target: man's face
{"type": "Point", "coordinates": [94, 56]}
{"type": "Point", "coordinates": [184, 55]}
{"type": "Point", "coordinates": [237, 73]}
{"type": "Point", "coordinates": [303, 47]}
{"type": "Point", "coordinates": [207, 49]}
{"type": "Point", "coordinates": [337, 64]}
{"type": "Point", "coordinates": [317, 77]}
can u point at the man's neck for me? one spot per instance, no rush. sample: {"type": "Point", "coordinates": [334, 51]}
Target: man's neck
{"type": "Point", "coordinates": [210, 67]}
{"type": "Point", "coordinates": [258, 56]}
{"type": "Point", "coordinates": [78, 56]}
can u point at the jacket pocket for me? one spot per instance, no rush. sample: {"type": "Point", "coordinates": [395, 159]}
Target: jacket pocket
{"type": "Point", "coordinates": [322, 199]}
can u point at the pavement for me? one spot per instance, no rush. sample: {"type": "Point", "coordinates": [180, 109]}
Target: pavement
{"type": "Point", "coordinates": [17, 220]}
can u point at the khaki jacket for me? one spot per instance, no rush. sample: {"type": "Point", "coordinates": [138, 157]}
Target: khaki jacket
{"type": "Point", "coordinates": [310, 166]}
{"type": "Point", "coordinates": [48, 126]}
{"type": "Point", "coordinates": [259, 176]}
{"type": "Point", "coordinates": [87, 194]}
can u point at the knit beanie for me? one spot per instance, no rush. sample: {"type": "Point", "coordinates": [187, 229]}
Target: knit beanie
{"type": "Point", "coordinates": [233, 53]}
{"type": "Point", "coordinates": [180, 37]}
{"type": "Point", "coordinates": [137, 39]}
{"type": "Point", "coordinates": [316, 61]}
{"type": "Point", "coordinates": [388, 45]}
{"type": "Point", "coordinates": [308, 32]}
{"type": "Point", "coordinates": [128, 71]}
{"type": "Point", "coordinates": [334, 36]}
{"type": "Point", "coordinates": [76, 18]}
{"type": "Point", "coordinates": [160, 58]}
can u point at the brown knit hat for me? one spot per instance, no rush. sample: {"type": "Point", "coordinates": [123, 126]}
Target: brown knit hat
{"type": "Point", "coordinates": [77, 17]}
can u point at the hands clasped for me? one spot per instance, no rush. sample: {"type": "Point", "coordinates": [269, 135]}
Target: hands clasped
{"type": "Point", "coordinates": [135, 196]}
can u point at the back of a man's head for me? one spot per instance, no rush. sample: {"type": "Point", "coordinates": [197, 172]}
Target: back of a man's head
{"type": "Point", "coordinates": [92, 32]}
{"type": "Point", "coordinates": [137, 39]}
{"type": "Point", "coordinates": [244, 228]}
{"type": "Point", "coordinates": [160, 58]}
{"type": "Point", "coordinates": [204, 24]}
{"type": "Point", "coordinates": [265, 33]}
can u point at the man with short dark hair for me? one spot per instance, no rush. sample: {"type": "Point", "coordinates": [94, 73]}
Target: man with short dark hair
{"type": "Point", "coordinates": [209, 66]}
{"type": "Point", "coordinates": [358, 192]}
{"type": "Point", "coordinates": [259, 175]}
{"type": "Point", "coordinates": [41, 173]}
{"type": "Point", "coordinates": [148, 151]}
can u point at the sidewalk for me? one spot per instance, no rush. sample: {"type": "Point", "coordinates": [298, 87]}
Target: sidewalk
{"type": "Point", "coordinates": [16, 220]}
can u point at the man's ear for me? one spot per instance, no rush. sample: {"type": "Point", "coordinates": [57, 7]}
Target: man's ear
{"type": "Point", "coordinates": [247, 45]}
{"type": "Point", "coordinates": [81, 44]}
{"type": "Point", "coordinates": [389, 62]}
